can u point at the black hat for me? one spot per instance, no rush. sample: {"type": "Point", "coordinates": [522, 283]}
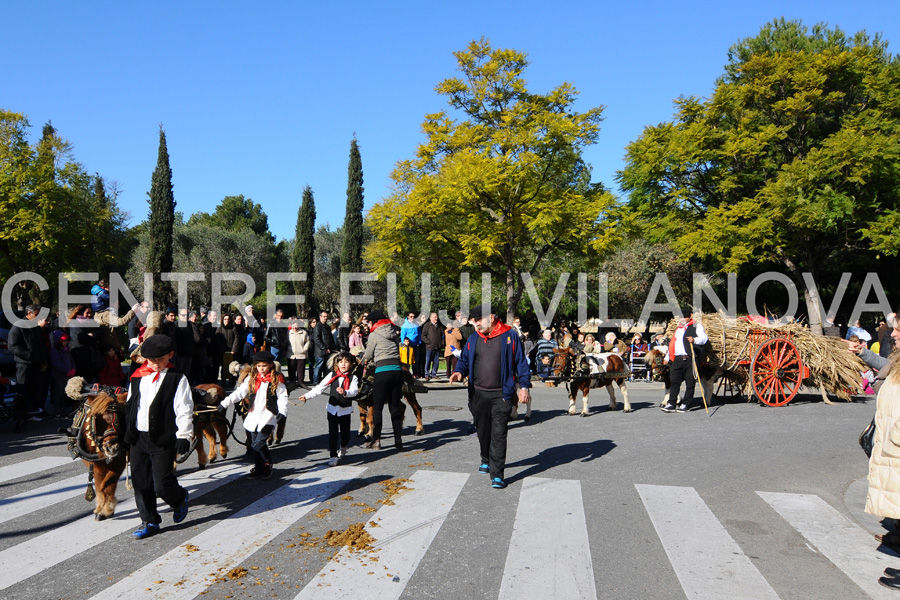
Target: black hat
{"type": "Point", "coordinates": [686, 313]}
{"type": "Point", "coordinates": [263, 356]}
{"type": "Point", "coordinates": [157, 346]}
{"type": "Point", "coordinates": [479, 312]}
{"type": "Point", "coordinates": [376, 315]}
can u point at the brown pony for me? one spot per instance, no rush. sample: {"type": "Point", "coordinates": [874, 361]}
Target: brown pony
{"type": "Point", "coordinates": [95, 437]}
{"type": "Point", "coordinates": [367, 409]}
{"type": "Point", "coordinates": [209, 422]}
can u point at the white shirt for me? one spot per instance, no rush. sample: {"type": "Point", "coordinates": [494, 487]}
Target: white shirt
{"type": "Point", "coordinates": [325, 387]}
{"type": "Point", "coordinates": [259, 416]}
{"type": "Point", "coordinates": [700, 339]}
{"type": "Point", "coordinates": [183, 404]}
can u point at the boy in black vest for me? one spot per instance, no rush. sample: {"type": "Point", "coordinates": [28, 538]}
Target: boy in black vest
{"type": "Point", "coordinates": [160, 415]}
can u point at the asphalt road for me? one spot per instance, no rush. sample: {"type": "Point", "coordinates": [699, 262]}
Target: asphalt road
{"type": "Point", "coordinates": [616, 505]}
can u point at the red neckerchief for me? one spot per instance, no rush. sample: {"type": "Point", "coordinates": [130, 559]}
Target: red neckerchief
{"type": "Point", "coordinates": [346, 384]}
{"type": "Point", "coordinates": [262, 378]}
{"type": "Point", "coordinates": [672, 341]}
{"type": "Point", "coordinates": [145, 370]}
{"type": "Point", "coordinates": [380, 323]}
{"type": "Point", "coordinates": [499, 327]}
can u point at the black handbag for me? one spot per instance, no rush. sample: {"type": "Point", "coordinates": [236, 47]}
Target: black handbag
{"type": "Point", "coordinates": [867, 438]}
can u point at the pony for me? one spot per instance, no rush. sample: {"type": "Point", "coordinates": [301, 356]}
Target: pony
{"type": "Point", "coordinates": [588, 371]}
{"type": "Point", "coordinates": [95, 437]}
{"type": "Point", "coordinates": [209, 423]}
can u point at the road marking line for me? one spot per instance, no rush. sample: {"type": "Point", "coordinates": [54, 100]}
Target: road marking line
{"type": "Point", "coordinates": [404, 533]}
{"type": "Point", "coordinates": [186, 573]}
{"type": "Point", "coordinates": [30, 467]}
{"type": "Point", "coordinates": [706, 559]}
{"type": "Point", "coordinates": [848, 546]}
{"type": "Point", "coordinates": [36, 499]}
{"type": "Point", "coordinates": [44, 551]}
{"type": "Point", "coordinates": [549, 553]}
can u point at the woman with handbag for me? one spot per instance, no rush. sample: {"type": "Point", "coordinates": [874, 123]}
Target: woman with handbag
{"type": "Point", "coordinates": [883, 499]}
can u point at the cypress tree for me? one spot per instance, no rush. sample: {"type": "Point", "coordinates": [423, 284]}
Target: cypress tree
{"type": "Point", "coordinates": [304, 248]}
{"type": "Point", "coordinates": [352, 243]}
{"type": "Point", "coordinates": [162, 220]}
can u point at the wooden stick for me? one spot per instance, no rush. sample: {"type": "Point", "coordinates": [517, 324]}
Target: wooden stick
{"type": "Point", "coordinates": [697, 375]}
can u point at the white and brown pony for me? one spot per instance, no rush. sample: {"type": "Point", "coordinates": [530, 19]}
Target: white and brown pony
{"type": "Point", "coordinates": [584, 372]}
{"type": "Point", "coordinates": [96, 437]}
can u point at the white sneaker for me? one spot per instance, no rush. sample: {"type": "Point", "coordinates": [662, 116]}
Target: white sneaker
{"type": "Point", "coordinates": [342, 452]}
{"type": "Point", "coordinates": [333, 461]}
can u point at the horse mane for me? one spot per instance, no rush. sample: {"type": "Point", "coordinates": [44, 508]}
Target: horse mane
{"type": "Point", "coordinates": [100, 403]}
{"type": "Point", "coordinates": [649, 356]}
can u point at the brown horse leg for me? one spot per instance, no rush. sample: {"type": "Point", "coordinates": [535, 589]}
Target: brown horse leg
{"type": "Point", "coordinates": [417, 410]}
{"type": "Point", "coordinates": [363, 412]}
{"type": "Point", "coordinates": [210, 434]}
{"type": "Point", "coordinates": [370, 422]}
{"type": "Point", "coordinates": [106, 479]}
{"type": "Point", "coordinates": [202, 457]}
{"type": "Point", "coordinates": [222, 431]}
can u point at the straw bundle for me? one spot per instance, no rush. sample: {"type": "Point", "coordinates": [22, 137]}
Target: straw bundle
{"type": "Point", "coordinates": [831, 367]}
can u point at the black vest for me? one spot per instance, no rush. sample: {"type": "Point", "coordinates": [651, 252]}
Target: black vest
{"type": "Point", "coordinates": [336, 399]}
{"type": "Point", "coordinates": [162, 425]}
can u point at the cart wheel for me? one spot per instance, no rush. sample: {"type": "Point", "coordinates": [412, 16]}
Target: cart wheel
{"type": "Point", "coordinates": [775, 372]}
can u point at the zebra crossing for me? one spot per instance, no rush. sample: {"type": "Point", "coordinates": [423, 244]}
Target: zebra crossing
{"type": "Point", "coordinates": [548, 554]}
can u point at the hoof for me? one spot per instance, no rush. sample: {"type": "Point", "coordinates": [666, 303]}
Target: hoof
{"type": "Point", "coordinates": [420, 431]}
{"type": "Point", "coordinates": [213, 459]}
{"type": "Point", "coordinates": [526, 418]}
{"type": "Point", "coordinates": [224, 455]}
{"type": "Point", "coordinates": [201, 467]}
{"type": "Point", "coordinates": [276, 442]}
{"type": "Point", "coordinates": [584, 414]}
{"type": "Point", "coordinates": [368, 438]}
{"type": "Point", "coordinates": [99, 517]}
{"type": "Point", "coordinates": [627, 410]}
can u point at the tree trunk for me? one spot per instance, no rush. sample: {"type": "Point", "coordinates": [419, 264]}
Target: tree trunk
{"type": "Point", "coordinates": [811, 296]}
{"type": "Point", "coordinates": [513, 295]}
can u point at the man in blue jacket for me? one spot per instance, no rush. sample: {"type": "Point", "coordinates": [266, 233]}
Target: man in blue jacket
{"type": "Point", "coordinates": [494, 361]}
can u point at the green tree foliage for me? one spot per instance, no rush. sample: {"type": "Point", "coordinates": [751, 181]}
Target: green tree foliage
{"type": "Point", "coordinates": [328, 254]}
{"type": "Point", "coordinates": [502, 190]}
{"type": "Point", "coordinates": [235, 213]}
{"type": "Point", "coordinates": [200, 248]}
{"type": "Point", "coordinates": [162, 220]}
{"type": "Point", "coordinates": [793, 160]}
{"type": "Point", "coordinates": [303, 254]}
{"type": "Point", "coordinates": [352, 242]}
{"type": "Point", "coordinates": [52, 220]}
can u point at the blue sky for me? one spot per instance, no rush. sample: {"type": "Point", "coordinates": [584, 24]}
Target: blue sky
{"type": "Point", "coordinates": [262, 99]}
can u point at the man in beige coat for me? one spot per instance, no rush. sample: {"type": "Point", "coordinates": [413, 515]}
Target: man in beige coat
{"type": "Point", "coordinates": [299, 338]}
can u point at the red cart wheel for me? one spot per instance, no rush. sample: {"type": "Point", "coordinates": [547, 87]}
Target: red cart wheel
{"type": "Point", "coordinates": [775, 372]}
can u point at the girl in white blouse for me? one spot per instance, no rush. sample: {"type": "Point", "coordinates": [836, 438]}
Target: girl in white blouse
{"type": "Point", "coordinates": [341, 385]}
{"type": "Point", "coordinates": [268, 406]}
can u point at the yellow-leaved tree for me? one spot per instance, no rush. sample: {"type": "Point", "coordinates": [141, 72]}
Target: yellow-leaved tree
{"type": "Point", "coordinates": [503, 189]}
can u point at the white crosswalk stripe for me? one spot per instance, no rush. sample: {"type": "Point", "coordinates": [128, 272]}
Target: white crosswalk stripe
{"type": "Point", "coordinates": [29, 467]}
{"type": "Point", "coordinates": [405, 530]}
{"type": "Point", "coordinates": [183, 573]}
{"type": "Point", "coordinates": [41, 552]}
{"type": "Point", "coordinates": [549, 555]}
{"type": "Point", "coordinates": [549, 546]}
{"type": "Point", "coordinates": [707, 560]}
{"type": "Point", "coordinates": [848, 546]}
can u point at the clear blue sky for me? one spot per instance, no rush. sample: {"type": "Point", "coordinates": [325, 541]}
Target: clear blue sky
{"type": "Point", "coordinates": [262, 99]}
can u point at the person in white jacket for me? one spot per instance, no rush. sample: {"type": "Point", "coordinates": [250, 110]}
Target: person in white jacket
{"type": "Point", "coordinates": [268, 407]}
{"type": "Point", "coordinates": [342, 386]}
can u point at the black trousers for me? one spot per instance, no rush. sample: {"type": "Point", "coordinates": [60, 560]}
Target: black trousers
{"type": "Point", "coordinates": [491, 414]}
{"type": "Point", "coordinates": [682, 369]}
{"type": "Point", "coordinates": [154, 477]}
{"type": "Point", "coordinates": [338, 423]}
{"type": "Point", "coordinates": [33, 385]}
{"type": "Point", "coordinates": [387, 387]}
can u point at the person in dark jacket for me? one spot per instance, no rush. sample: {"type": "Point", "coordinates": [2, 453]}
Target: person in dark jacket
{"type": "Point", "coordinates": [225, 342]}
{"type": "Point", "coordinates": [494, 361]}
{"type": "Point", "coordinates": [251, 347]}
{"type": "Point", "coordinates": [29, 346]}
{"type": "Point", "coordinates": [184, 342]}
{"type": "Point", "coordinates": [200, 357]}
{"type": "Point", "coordinates": [159, 418]}
{"type": "Point", "coordinates": [323, 345]}
{"type": "Point", "coordinates": [277, 341]}
{"type": "Point", "coordinates": [433, 338]}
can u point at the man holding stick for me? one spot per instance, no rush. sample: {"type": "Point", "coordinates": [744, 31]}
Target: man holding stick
{"type": "Point", "coordinates": [680, 358]}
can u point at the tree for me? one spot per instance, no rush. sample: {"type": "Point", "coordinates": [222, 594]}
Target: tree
{"type": "Point", "coordinates": [235, 213]}
{"type": "Point", "coordinates": [352, 242]}
{"type": "Point", "coordinates": [52, 223]}
{"type": "Point", "coordinates": [503, 190]}
{"type": "Point", "coordinates": [303, 255]}
{"type": "Point", "coordinates": [793, 160]}
{"type": "Point", "coordinates": [162, 220]}
{"type": "Point", "coordinates": [328, 254]}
